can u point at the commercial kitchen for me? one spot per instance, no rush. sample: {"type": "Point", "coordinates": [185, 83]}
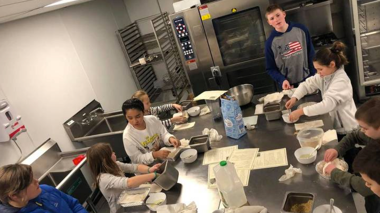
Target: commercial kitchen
{"type": "Point", "coordinates": [67, 67]}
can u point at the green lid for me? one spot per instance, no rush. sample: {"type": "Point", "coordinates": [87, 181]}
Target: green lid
{"type": "Point", "coordinates": [223, 163]}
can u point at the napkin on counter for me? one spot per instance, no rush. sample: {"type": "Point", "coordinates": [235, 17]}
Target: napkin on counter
{"type": "Point", "coordinates": [309, 124]}
{"type": "Point", "coordinates": [183, 126]}
{"type": "Point", "coordinates": [205, 110]}
{"type": "Point", "coordinates": [289, 173]}
{"type": "Point", "coordinates": [272, 98]}
{"type": "Point", "coordinates": [251, 209]}
{"type": "Point", "coordinates": [329, 136]}
{"type": "Point", "coordinates": [178, 208]}
{"type": "Point", "coordinates": [184, 143]}
{"type": "Point", "coordinates": [213, 134]}
{"type": "Point", "coordinates": [289, 92]}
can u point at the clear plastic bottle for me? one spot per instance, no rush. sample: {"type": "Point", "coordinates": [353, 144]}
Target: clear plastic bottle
{"type": "Point", "coordinates": [231, 190]}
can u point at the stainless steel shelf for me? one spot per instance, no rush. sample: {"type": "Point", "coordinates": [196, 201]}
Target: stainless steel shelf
{"type": "Point", "coordinates": [367, 2]}
{"type": "Point", "coordinates": [166, 43]}
{"type": "Point", "coordinates": [133, 45]}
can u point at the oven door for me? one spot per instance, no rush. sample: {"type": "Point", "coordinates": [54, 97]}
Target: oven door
{"type": "Point", "coordinates": [236, 32]}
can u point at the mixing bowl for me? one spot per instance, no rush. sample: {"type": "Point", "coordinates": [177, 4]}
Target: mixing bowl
{"type": "Point", "coordinates": [242, 93]}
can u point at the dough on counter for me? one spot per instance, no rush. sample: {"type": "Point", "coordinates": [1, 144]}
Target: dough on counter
{"type": "Point", "coordinates": [324, 168]}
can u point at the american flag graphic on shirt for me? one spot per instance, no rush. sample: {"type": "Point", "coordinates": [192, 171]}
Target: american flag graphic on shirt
{"type": "Point", "coordinates": [292, 48]}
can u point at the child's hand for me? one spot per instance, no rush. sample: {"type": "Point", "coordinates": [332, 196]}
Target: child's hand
{"type": "Point", "coordinates": [291, 103]}
{"type": "Point", "coordinates": [178, 119]}
{"type": "Point", "coordinates": [286, 85]}
{"type": "Point", "coordinates": [178, 107]}
{"type": "Point", "coordinates": [175, 142]}
{"type": "Point", "coordinates": [329, 169]}
{"type": "Point", "coordinates": [154, 168]}
{"type": "Point", "coordinates": [161, 154]}
{"type": "Point", "coordinates": [330, 155]}
{"type": "Point", "coordinates": [295, 115]}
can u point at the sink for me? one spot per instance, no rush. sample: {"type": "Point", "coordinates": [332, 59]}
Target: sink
{"type": "Point", "coordinates": [117, 123]}
{"type": "Point", "coordinates": [101, 128]}
{"type": "Point", "coordinates": [91, 125]}
{"type": "Point", "coordinates": [109, 124]}
{"type": "Point", "coordinates": [109, 130]}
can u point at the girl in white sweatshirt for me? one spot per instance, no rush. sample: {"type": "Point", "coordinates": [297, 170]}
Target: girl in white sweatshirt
{"type": "Point", "coordinates": [145, 135]}
{"type": "Point", "coordinates": [335, 87]}
{"type": "Point", "coordinates": [109, 173]}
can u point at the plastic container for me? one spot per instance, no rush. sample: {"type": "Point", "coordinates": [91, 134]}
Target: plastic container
{"type": "Point", "coordinates": [231, 190]}
{"type": "Point", "coordinates": [305, 155]}
{"type": "Point", "coordinates": [214, 106]}
{"type": "Point", "coordinates": [310, 137]}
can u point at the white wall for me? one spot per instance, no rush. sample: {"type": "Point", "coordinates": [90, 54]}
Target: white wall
{"type": "Point", "coordinates": [53, 64]}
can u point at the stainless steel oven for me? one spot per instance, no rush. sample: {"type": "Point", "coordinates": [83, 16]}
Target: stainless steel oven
{"type": "Point", "coordinates": [222, 44]}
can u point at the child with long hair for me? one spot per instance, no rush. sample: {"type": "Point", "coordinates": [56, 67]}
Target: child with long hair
{"type": "Point", "coordinates": [109, 173]}
{"type": "Point", "coordinates": [149, 110]}
{"type": "Point", "coordinates": [20, 192]}
{"type": "Point", "coordinates": [335, 87]}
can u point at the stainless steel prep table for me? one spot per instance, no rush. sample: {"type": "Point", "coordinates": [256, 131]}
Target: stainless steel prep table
{"type": "Point", "coordinates": [264, 188]}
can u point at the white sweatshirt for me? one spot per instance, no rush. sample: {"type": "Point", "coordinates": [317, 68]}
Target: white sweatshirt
{"type": "Point", "coordinates": [139, 144]}
{"type": "Point", "coordinates": [337, 99]}
{"type": "Point", "coordinates": [111, 186]}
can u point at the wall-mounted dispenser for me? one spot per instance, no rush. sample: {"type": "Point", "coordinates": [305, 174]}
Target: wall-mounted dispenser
{"type": "Point", "coordinates": [10, 122]}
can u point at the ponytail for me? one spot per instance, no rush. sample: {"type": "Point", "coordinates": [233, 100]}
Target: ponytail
{"type": "Point", "coordinates": [336, 53]}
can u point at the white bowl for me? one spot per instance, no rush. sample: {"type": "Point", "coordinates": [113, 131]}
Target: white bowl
{"type": "Point", "coordinates": [194, 111]}
{"type": "Point", "coordinates": [285, 117]}
{"type": "Point", "coordinates": [325, 208]}
{"type": "Point", "coordinates": [189, 156]}
{"type": "Point", "coordinates": [159, 198]}
{"type": "Point", "coordinates": [340, 164]}
{"type": "Point", "coordinates": [301, 152]}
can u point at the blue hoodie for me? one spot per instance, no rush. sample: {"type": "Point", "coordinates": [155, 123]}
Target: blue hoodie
{"type": "Point", "coordinates": [289, 55]}
{"type": "Point", "coordinates": [51, 200]}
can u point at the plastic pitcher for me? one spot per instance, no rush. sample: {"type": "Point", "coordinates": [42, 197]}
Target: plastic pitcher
{"type": "Point", "coordinates": [231, 190]}
{"type": "Point", "coordinates": [214, 107]}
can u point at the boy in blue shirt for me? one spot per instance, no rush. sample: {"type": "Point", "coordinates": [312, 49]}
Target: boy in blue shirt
{"type": "Point", "coordinates": [288, 50]}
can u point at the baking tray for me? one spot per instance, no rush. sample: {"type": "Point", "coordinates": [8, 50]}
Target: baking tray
{"type": "Point", "coordinates": [293, 198]}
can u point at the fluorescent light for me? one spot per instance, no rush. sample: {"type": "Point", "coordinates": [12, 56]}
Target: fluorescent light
{"type": "Point", "coordinates": [60, 2]}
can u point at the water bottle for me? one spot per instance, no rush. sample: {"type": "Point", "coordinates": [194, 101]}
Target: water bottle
{"type": "Point", "coordinates": [231, 190]}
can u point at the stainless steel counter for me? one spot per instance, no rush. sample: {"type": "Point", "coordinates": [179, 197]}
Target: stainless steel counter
{"type": "Point", "coordinates": [264, 188]}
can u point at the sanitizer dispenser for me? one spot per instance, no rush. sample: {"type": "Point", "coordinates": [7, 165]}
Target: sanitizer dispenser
{"type": "Point", "coordinates": [10, 122]}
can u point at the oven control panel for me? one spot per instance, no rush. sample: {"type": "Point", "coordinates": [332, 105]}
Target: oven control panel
{"type": "Point", "coordinates": [184, 38]}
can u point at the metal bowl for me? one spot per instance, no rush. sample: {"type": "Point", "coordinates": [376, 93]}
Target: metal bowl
{"type": "Point", "coordinates": [242, 93]}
